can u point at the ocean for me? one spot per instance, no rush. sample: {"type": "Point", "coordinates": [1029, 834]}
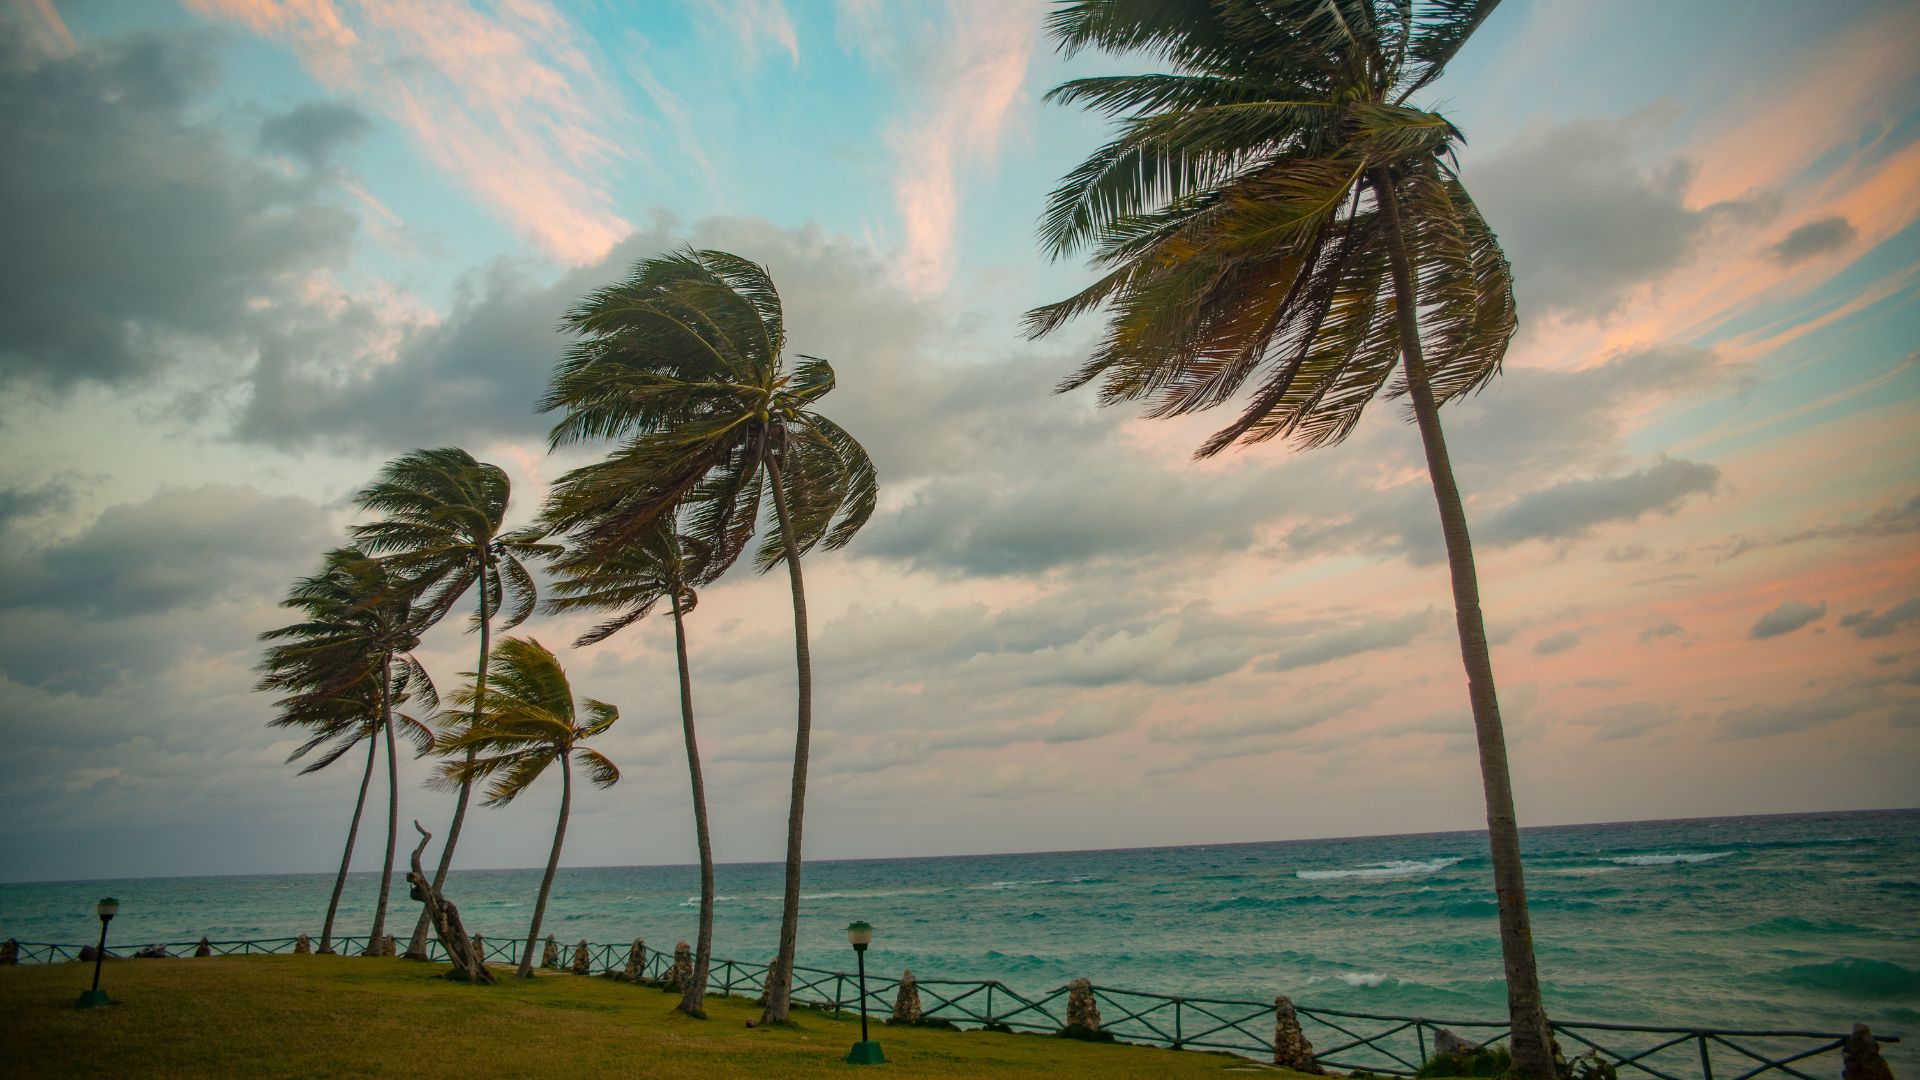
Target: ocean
{"type": "Point", "coordinates": [1789, 921]}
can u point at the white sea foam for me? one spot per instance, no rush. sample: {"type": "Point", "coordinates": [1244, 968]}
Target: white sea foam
{"type": "Point", "coordinates": [694, 901]}
{"type": "Point", "coordinates": [1362, 978]}
{"type": "Point", "coordinates": [1398, 868]}
{"type": "Point", "coordinates": [1669, 860]}
{"type": "Point", "coordinates": [1014, 884]}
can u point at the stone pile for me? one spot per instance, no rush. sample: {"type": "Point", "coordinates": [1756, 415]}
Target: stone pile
{"type": "Point", "coordinates": [582, 959]}
{"type": "Point", "coordinates": [1291, 1050]}
{"type": "Point", "coordinates": [680, 975]}
{"type": "Point", "coordinates": [1083, 1013]}
{"type": "Point", "coordinates": [551, 957]}
{"type": "Point", "coordinates": [906, 1004]}
{"type": "Point", "coordinates": [636, 962]}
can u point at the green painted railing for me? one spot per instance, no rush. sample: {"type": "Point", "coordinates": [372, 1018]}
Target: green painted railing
{"type": "Point", "coordinates": [1351, 1041]}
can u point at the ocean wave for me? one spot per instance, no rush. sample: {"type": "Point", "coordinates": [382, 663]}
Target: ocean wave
{"type": "Point", "coordinates": [1015, 884]}
{"type": "Point", "coordinates": [1362, 978]}
{"type": "Point", "coordinates": [1854, 977]}
{"type": "Point", "coordinates": [1670, 860]}
{"type": "Point", "coordinates": [694, 901]}
{"type": "Point", "coordinates": [1794, 924]}
{"type": "Point", "coordinates": [1264, 903]}
{"type": "Point", "coordinates": [1395, 869]}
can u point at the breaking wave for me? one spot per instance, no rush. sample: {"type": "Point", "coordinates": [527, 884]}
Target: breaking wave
{"type": "Point", "coordinates": [1395, 869]}
{"type": "Point", "coordinates": [1670, 860]}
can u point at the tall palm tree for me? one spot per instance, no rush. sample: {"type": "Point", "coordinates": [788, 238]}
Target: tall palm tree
{"type": "Point", "coordinates": [337, 668]}
{"type": "Point", "coordinates": [440, 528]}
{"type": "Point", "coordinates": [527, 721]}
{"type": "Point", "coordinates": [631, 583]}
{"type": "Point", "coordinates": [685, 361]}
{"type": "Point", "coordinates": [1275, 205]}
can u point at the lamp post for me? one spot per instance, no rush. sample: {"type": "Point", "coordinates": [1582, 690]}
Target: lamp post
{"type": "Point", "coordinates": [96, 997]}
{"type": "Point", "coordinates": [866, 1051]}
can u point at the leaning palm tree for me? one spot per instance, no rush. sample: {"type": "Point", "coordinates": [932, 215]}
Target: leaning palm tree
{"type": "Point", "coordinates": [440, 528]}
{"type": "Point", "coordinates": [527, 721]}
{"type": "Point", "coordinates": [337, 667]}
{"type": "Point", "coordinates": [1275, 206]}
{"type": "Point", "coordinates": [630, 584]}
{"type": "Point", "coordinates": [685, 361]}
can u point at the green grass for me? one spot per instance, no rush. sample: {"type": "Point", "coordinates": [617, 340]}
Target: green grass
{"type": "Point", "coordinates": [354, 1016]}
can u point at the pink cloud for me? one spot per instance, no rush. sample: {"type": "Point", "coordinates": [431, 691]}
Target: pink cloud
{"type": "Point", "coordinates": [508, 101]}
{"type": "Point", "coordinates": [988, 45]}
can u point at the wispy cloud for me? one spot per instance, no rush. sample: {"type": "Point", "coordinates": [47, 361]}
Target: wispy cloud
{"type": "Point", "coordinates": [752, 22]}
{"type": "Point", "coordinates": [509, 100]}
{"type": "Point", "coordinates": [987, 48]}
{"type": "Point", "coordinates": [43, 26]}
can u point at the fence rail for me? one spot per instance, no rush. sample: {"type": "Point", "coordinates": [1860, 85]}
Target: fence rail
{"type": "Point", "coordinates": [1353, 1041]}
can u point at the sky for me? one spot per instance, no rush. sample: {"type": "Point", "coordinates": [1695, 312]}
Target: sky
{"type": "Point", "coordinates": [252, 249]}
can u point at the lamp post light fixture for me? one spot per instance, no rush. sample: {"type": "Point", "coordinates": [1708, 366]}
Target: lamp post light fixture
{"type": "Point", "coordinates": [96, 997]}
{"type": "Point", "coordinates": [866, 1051]}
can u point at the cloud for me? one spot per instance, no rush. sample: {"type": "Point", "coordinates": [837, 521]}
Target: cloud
{"type": "Point", "coordinates": [133, 226]}
{"type": "Point", "coordinates": [1896, 519]}
{"type": "Point", "coordinates": [1584, 223]}
{"type": "Point", "coordinates": [1368, 635]}
{"type": "Point", "coordinates": [1819, 710]}
{"type": "Point", "coordinates": [509, 101]}
{"type": "Point", "coordinates": [1627, 720]}
{"type": "Point", "coordinates": [314, 132]}
{"type": "Point", "coordinates": [24, 504]}
{"type": "Point", "coordinates": [971, 82]}
{"type": "Point", "coordinates": [748, 22]}
{"type": "Point", "coordinates": [1556, 643]}
{"type": "Point", "coordinates": [1577, 508]}
{"type": "Point", "coordinates": [1791, 615]}
{"type": "Point", "coordinates": [1660, 630]}
{"type": "Point", "coordinates": [1814, 238]}
{"type": "Point", "coordinates": [1865, 624]}
{"type": "Point", "coordinates": [181, 548]}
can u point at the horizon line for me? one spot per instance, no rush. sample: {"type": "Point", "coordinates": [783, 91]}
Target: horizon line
{"type": "Point", "coordinates": [1016, 854]}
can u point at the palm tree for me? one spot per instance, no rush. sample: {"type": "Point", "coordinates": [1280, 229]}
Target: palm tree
{"type": "Point", "coordinates": [333, 666]}
{"type": "Point", "coordinates": [1274, 205]}
{"type": "Point", "coordinates": [685, 361]}
{"type": "Point", "coordinates": [440, 528]}
{"type": "Point", "coordinates": [630, 584]}
{"type": "Point", "coordinates": [526, 721]}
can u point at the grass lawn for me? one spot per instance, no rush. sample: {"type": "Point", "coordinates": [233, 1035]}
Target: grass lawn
{"type": "Point", "coordinates": [313, 1016]}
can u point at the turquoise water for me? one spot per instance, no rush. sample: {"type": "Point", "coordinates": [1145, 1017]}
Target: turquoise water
{"type": "Point", "coordinates": [1786, 921]}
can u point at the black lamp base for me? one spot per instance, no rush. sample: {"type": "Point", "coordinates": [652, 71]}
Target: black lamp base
{"type": "Point", "coordinates": [866, 1053]}
{"type": "Point", "coordinates": [92, 999]}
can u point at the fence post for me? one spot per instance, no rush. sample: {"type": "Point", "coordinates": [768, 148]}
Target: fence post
{"type": "Point", "coordinates": [1420, 1033]}
{"type": "Point", "coordinates": [1179, 1033]}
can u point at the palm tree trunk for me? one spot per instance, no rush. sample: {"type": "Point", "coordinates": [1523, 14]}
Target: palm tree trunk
{"type": "Point", "coordinates": [693, 1000]}
{"type": "Point", "coordinates": [393, 806]}
{"type": "Point", "coordinates": [780, 980]}
{"type": "Point", "coordinates": [1531, 1043]}
{"type": "Point", "coordinates": [346, 857]}
{"type": "Point", "coordinates": [417, 948]}
{"type": "Point", "coordinates": [553, 864]}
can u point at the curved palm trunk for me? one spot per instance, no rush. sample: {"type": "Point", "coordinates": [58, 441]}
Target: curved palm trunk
{"type": "Point", "coordinates": [553, 863]}
{"type": "Point", "coordinates": [346, 857]}
{"type": "Point", "coordinates": [417, 948]}
{"type": "Point", "coordinates": [393, 807]}
{"type": "Point", "coordinates": [1531, 1043]}
{"type": "Point", "coordinates": [779, 981]}
{"type": "Point", "coordinates": [693, 1001]}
